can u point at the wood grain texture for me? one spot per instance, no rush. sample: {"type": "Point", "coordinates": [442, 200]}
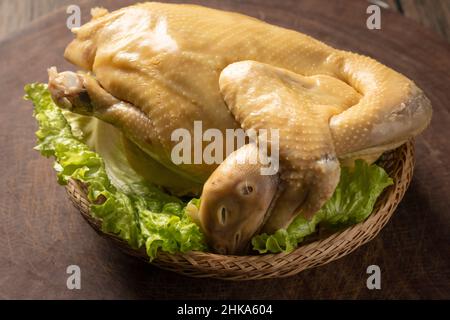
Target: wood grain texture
{"type": "Point", "coordinates": [434, 14]}
{"type": "Point", "coordinates": [16, 14]}
{"type": "Point", "coordinates": [41, 233]}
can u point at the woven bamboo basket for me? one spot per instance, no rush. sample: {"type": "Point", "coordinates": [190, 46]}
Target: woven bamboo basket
{"type": "Point", "coordinates": [398, 163]}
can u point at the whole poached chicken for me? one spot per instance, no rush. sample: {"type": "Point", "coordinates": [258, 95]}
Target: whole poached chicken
{"type": "Point", "coordinates": [153, 68]}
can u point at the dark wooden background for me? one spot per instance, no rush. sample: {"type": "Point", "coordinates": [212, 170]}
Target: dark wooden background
{"type": "Point", "coordinates": [433, 14]}
{"type": "Point", "coordinates": [41, 233]}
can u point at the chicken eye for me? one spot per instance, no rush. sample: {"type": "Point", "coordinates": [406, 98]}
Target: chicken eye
{"type": "Point", "coordinates": [222, 214]}
{"type": "Point", "coordinates": [247, 189]}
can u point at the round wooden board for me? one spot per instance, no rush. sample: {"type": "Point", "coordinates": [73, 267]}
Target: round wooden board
{"type": "Point", "coordinates": [42, 234]}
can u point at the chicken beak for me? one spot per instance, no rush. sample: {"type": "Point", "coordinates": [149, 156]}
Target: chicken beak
{"type": "Point", "coordinates": [235, 203]}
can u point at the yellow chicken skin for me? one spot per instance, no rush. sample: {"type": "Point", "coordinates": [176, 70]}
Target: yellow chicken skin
{"type": "Point", "coordinates": [263, 97]}
{"type": "Point", "coordinates": [160, 67]}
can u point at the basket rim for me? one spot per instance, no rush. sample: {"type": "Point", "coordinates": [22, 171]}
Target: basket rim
{"type": "Point", "coordinates": [233, 267]}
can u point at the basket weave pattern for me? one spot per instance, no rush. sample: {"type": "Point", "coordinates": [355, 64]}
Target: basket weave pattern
{"type": "Point", "coordinates": [399, 164]}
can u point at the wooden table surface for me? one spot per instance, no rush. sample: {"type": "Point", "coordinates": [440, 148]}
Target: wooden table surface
{"type": "Point", "coordinates": [433, 14]}
{"type": "Point", "coordinates": [41, 233]}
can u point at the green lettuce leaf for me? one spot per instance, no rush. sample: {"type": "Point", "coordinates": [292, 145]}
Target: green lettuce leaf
{"type": "Point", "coordinates": [140, 213]}
{"type": "Point", "coordinates": [136, 211]}
{"type": "Point", "coordinates": [351, 203]}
